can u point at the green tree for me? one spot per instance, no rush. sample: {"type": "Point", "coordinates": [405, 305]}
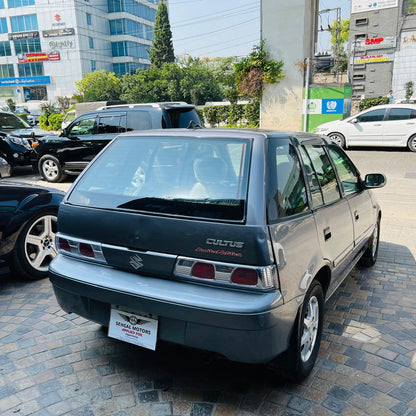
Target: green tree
{"type": "Point", "coordinates": [99, 86]}
{"type": "Point", "coordinates": [152, 85]}
{"type": "Point", "coordinates": [192, 83]}
{"type": "Point", "coordinates": [161, 51]}
{"type": "Point", "coordinates": [198, 84]}
{"type": "Point", "coordinates": [339, 37]}
{"type": "Point", "coordinates": [255, 71]}
{"type": "Point", "coordinates": [224, 72]}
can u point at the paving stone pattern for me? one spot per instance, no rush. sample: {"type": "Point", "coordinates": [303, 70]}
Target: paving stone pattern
{"type": "Point", "coordinates": [53, 363]}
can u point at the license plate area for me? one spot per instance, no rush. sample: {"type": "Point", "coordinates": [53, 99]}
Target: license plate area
{"type": "Point", "coordinates": [134, 328]}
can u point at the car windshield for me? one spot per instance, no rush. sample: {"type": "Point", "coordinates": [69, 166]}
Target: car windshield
{"type": "Point", "coordinates": [11, 122]}
{"type": "Point", "coordinates": [203, 178]}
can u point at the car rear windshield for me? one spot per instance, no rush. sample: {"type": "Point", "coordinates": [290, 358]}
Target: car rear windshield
{"type": "Point", "coordinates": [190, 177]}
{"type": "Point", "coordinates": [181, 117]}
{"type": "Point", "coordinates": [11, 122]}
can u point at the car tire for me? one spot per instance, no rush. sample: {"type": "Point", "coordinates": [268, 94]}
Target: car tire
{"type": "Point", "coordinates": [297, 362]}
{"type": "Point", "coordinates": [369, 257]}
{"type": "Point", "coordinates": [411, 143]}
{"type": "Point", "coordinates": [35, 247]}
{"type": "Point", "coordinates": [51, 169]}
{"type": "Point", "coordinates": [338, 139]}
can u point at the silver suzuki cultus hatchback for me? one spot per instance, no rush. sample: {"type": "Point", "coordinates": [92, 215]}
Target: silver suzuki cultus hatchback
{"type": "Point", "coordinates": [224, 240]}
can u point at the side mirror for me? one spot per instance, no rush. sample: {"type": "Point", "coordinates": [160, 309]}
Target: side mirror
{"type": "Point", "coordinates": [374, 180]}
{"type": "Point", "coordinates": [64, 133]}
{"type": "Point", "coordinates": [354, 120]}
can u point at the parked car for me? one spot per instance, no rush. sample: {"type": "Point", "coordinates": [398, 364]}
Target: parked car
{"type": "Point", "coordinates": [381, 125]}
{"type": "Point", "coordinates": [223, 240]}
{"type": "Point", "coordinates": [16, 137]}
{"type": "Point", "coordinates": [78, 144]}
{"type": "Point", "coordinates": [27, 228]}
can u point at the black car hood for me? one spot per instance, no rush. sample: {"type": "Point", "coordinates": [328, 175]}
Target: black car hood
{"type": "Point", "coordinates": [28, 132]}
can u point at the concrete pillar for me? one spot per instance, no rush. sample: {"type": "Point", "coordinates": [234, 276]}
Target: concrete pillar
{"type": "Point", "coordinates": [289, 30]}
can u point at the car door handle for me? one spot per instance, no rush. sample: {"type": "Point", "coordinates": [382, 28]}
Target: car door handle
{"type": "Point", "coordinates": [411, 124]}
{"type": "Point", "coordinates": [356, 215]}
{"type": "Point", "coordinates": [377, 125]}
{"type": "Point", "coordinates": [327, 233]}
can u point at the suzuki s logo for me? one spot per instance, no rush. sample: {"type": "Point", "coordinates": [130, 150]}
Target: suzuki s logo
{"type": "Point", "coordinates": [224, 243]}
{"type": "Point", "coordinates": [136, 262]}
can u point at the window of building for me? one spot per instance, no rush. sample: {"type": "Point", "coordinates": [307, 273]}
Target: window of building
{"type": "Point", "coordinates": [31, 69]}
{"type": "Point", "coordinates": [122, 68]}
{"type": "Point", "coordinates": [5, 49]}
{"type": "Point", "coordinates": [93, 66]}
{"type": "Point", "coordinates": [91, 42]}
{"type": "Point", "coordinates": [127, 48]}
{"type": "Point", "coordinates": [24, 23]}
{"type": "Point", "coordinates": [358, 76]}
{"type": "Point", "coordinates": [1, 4]}
{"type": "Point", "coordinates": [88, 17]}
{"type": "Point", "coordinates": [130, 27]}
{"type": "Point", "coordinates": [3, 25]}
{"type": "Point", "coordinates": [287, 191]}
{"type": "Point", "coordinates": [358, 87]}
{"type": "Point", "coordinates": [361, 22]}
{"type": "Point", "coordinates": [6, 71]}
{"type": "Point", "coordinates": [27, 45]}
{"type": "Point", "coordinates": [20, 3]}
{"type": "Point", "coordinates": [35, 93]}
{"type": "Point", "coordinates": [132, 7]}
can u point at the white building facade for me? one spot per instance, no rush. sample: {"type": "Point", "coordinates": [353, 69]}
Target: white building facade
{"type": "Point", "coordinates": [48, 45]}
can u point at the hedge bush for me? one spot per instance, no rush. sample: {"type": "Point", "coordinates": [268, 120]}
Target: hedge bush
{"type": "Point", "coordinates": [238, 115]}
{"type": "Point", "coordinates": [51, 122]}
{"type": "Point", "coordinates": [371, 102]}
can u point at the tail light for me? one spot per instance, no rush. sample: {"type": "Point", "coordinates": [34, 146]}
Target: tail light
{"type": "Point", "coordinates": [78, 248]}
{"type": "Point", "coordinates": [262, 277]}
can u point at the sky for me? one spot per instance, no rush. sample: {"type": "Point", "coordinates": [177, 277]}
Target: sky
{"type": "Point", "coordinates": [211, 28]}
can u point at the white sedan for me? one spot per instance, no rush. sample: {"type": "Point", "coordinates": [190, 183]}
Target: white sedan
{"type": "Point", "coordinates": [381, 125]}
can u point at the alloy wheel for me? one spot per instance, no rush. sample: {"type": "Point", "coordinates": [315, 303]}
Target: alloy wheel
{"type": "Point", "coordinates": [39, 243]}
{"type": "Point", "coordinates": [310, 329]}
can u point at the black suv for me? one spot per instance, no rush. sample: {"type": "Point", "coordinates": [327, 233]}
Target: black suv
{"type": "Point", "coordinates": [79, 143]}
{"type": "Point", "coordinates": [16, 137]}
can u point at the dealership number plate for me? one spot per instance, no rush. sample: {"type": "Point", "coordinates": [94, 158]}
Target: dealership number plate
{"type": "Point", "coordinates": [135, 329]}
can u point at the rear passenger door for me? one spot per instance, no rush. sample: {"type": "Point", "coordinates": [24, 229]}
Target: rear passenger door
{"type": "Point", "coordinates": [331, 212]}
{"type": "Point", "coordinates": [399, 126]}
{"type": "Point", "coordinates": [362, 207]}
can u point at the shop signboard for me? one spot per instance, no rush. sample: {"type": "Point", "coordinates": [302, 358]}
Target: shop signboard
{"type": "Point", "coordinates": [53, 33]}
{"type": "Point", "coordinates": [373, 59]}
{"type": "Point", "coordinates": [408, 40]}
{"type": "Point", "coordinates": [379, 42]}
{"type": "Point", "coordinates": [23, 35]}
{"type": "Point", "coordinates": [39, 56]}
{"type": "Point", "coordinates": [358, 6]}
{"type": "Point", "coordinates": [40, 80]}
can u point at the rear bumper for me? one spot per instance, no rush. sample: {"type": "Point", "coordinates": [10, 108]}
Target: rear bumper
{"type": "Point", "coordinates": [243, 326]}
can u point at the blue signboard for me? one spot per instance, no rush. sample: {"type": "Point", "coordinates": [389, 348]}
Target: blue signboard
{"type": "Point", "coordinates": [41, 80]}
{"type": "Point", "coordinates": [333, 106]}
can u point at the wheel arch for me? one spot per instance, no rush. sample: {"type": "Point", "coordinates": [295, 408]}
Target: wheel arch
{"type": "Point", "coordinates": [323, 276]}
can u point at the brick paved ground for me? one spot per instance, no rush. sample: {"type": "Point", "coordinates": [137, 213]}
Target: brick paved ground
{"type": "Point", "coordinates": [52, 363]}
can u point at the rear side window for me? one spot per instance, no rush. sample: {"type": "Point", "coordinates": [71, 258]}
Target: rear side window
{"type": "Point", "coordinates": [401, 114]}
{"type": "Point", "coordinates": [181, 117]}
{"type": "Point", "coordinates": [287, 191]}
{"type": "Point", "coordinates": [203, 178]}
{"type": "Point", "coordinates": [321, 175]}
{"type": "Point", "coordinates": [112, 124]}
{"type": "Point", "coordinates": [138, 120]}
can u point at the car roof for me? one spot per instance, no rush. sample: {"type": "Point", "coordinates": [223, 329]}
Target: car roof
{"type": "Point", "coordinates": [398, 105]}
{"type": "Point", "coordinates": [227, 133]}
